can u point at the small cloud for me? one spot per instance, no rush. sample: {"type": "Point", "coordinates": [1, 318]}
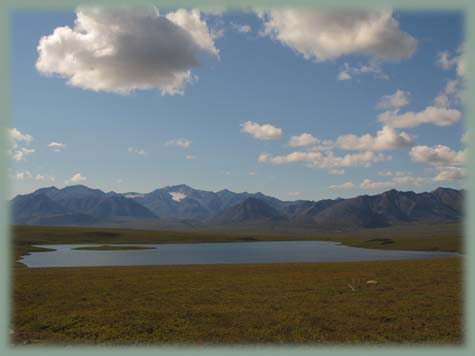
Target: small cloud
{"type": "Point", "coordinates": [240, 28]}
{"type": "Point", "coordinates": [347, 185]}
{"type": "Point", "coordinates": [393, 173]}
{"type": "Point", "coordinates": [56, 146]}
{"type": "Point", "coordinates": [251, 173]}
{"type": "Point", "coordinates": [398, 179]}
{"type": "Point", "coordinates": [394, 101]}
{"type": "Point", "coordinates": [304, 139]}
{"type": "Point", "coordinates": [189, 157]}
{"type": "Point", "coordinates": [294, 194]}
{"type": "Point", "coordinates": [180, 142]}
{"type": "Point", "coordinates": [16, 135]}
{"type": "Point", "coordinates": [137, 151]}
{"type": "Point", "coordinates": [261, 132]}
{"type": "Point", "coordinates": [23, 175]}
{"type": "Point", "coordinates": [348, 71]}
{"type": "Point", "coordinates": [386, 139]}
{"type": "Point", "coordinates": [449, 174]}
{"type": "Point", "coordinates": [438, 155]}
{"type": "Point", "coordinates": [15, 151]}
{"type": "Point", "coordinates": [438, 116]}
{"type": "Point", "coordinates": [336, 171]}
{"type": "Point", "coordinates": [77, 178]}
{"type": "Point", "coordinates": [447, 60]}
{"type": "Point", "coordinates": [344, 75]}
{"type": "Point", "coordinates": [20, 153]}
{"type": "Point", "coordinates": [369, 184]}
{"type": "Point", "coordinates": [327, 161]}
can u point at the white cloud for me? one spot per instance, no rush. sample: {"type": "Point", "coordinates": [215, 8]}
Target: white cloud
{"type": "Point", "coordinates": [438, 155]}
{"type": "Point", "coordinates": [323, 145]}
{"type": "Point", "coordinates": [347, 185]}
{"type": "Point", "coordinates": [56, 146]}
{"type": "Point", "coordinates": [450, 95]}
{"type": "Point", "coordinates": [242, 28]}
{"type": "Point", "coordinates": [327, 160]}
{"type": "Point", "coordinates": [261, 132]}
{"type": "Point", "coordinates": [294, 194]}
{"type": "Point", "coordinates": [369, 184]}
{"type": "Point", "coordinates": [394, 101]}
{"type": "Point", "coordinates": [77, 178]}
{"type": "Point", "coordinates": [180, 142]}
{"type": "Point", "coordinates": [454, 90]}
{"type": "Point", "coordinates": [386, 139]}
{"type": "Point", "coordinates": [16, 135]}
{"type": "Point", "coordinates": [137, 151]}
{"type": "Point", "coordinates": [336, 171]}
{"type": "Point", "coordinates": [23, 175]}
{"type": "Point", "coordinates": [430, 115]}
{"type": "Point", "coordinates": [447, 60]}
{"type": "Point", "coordinates": [406, 180]}
{"type": "Point", "coordinates": [15, 151]}
{"type": "Point", "coordinates": [410, 180]}
{"type": "Point", "coordinates": [323, 35]}
{"type": "Point", "coordinates": [393, 173]}
{"type": "Point", "coordinates": [120, 50]}
{"type": "Point", "coordinates": [344, 75]}
{"type": "Point", "coordinates": [190, 157]}
{"type": "Point", "coordinates": [304, 139]}
{"type": "Point", "coordinates": [373, 67]}
{"type": "Point", "coordinates": [447, 174]}
{"type": "Point", "coordinates": [251, 173]}
{"type": "Point", "coordinates": [20, 153]}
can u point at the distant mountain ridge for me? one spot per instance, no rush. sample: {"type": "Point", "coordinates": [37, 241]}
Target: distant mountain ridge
{"type": "Point", "coordinates": [182, 207]}
{"type": "Point", "coordinates": [73, 205]}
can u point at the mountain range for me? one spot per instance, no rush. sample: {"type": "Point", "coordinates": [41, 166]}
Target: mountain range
{"type": "Point", "coordinates": [185, 208]}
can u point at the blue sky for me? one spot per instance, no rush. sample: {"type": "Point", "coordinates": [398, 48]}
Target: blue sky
{"type": "Point", "coordinates": [266, 72]}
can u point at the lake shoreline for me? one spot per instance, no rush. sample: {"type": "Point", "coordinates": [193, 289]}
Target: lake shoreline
{"type": "Point", "coordinates": [81, 255]}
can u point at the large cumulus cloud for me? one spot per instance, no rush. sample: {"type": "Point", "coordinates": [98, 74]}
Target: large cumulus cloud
{"type": "Point", "coordinates": [125, 49]}
{"type": "Point", "coordinates": [328, 34]}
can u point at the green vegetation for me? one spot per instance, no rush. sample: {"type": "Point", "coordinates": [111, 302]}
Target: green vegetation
{"type": "Point", "coordinates": [112, 248]}
{"type": "Point", "coordinates": [443, 237]}
{"type": "Point", "coordinates": [414, 301]}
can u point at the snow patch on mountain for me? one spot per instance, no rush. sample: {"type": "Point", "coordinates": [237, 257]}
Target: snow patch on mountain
{"type": "Point", "coordinates": [177, 196]}
{"type": "Point", "coordinates": [133, 195]}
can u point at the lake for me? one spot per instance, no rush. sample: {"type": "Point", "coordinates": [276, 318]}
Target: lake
{"type": "Point", "coordinates": [214, 253]}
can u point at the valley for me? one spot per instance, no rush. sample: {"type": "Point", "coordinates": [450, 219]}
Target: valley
{"type": "Point", "coordinates": [304, 302]}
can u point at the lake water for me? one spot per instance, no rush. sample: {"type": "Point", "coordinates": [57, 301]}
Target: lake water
{"type": "Point", "coordinates": [213, 253]}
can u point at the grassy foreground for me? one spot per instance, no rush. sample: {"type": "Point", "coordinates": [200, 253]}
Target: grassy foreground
{"type": "Point", "coordinates": [414, 301]}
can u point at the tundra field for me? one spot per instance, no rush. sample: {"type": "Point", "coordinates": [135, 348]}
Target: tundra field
{"type": "Point", "coordinates": [413, 301]}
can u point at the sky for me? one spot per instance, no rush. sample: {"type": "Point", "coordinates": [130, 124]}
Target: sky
{"type": "Point", "coordinates": [297, 104]}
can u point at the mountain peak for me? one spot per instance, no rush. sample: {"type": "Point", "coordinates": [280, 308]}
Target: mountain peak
{"type": "Point", "coordinates": [46, 190]}
{"type": "Point", "coordinates": [178, 187]}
